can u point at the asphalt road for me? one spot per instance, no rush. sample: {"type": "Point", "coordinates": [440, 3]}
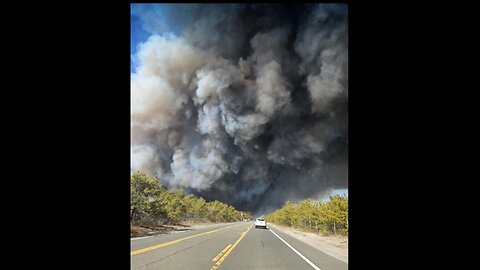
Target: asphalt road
{"type": "Point", "coordinates": [235, 246]}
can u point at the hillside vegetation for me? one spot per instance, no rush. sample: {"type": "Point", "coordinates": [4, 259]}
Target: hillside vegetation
{"type": "Point", "coordinates": [152, 204]}
{"type": "Point", "coordinates": [329, 217]}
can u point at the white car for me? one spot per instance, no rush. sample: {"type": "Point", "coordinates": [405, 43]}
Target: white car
{"type": "Point", "coordinates": [260, 222]}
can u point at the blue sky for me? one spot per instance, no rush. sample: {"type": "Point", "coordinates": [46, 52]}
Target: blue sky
{"type": "Point", "coordinates": [137, 35]}
{"type": "Point", "coordinates": [340, 192]}
{"type": "Point", "coordinates": [146, 17]}
{"type": "Point", "coordinates": [335, 192]}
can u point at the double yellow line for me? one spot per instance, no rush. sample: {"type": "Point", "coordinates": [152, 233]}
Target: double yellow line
{"type": "Point", "coordinates": [221, 253]}
{"type": "Point", "coordinates": [138, 251]}
{"type": "Point", "coordinates": [219, 258]}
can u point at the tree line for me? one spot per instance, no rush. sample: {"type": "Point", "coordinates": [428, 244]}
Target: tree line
{"type": "Point", "coordinates": [329, 217]}
{"type": "Point", "coordinates": [151, 203]}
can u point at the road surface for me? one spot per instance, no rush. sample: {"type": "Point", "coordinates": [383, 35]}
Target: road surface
{"type": "Point", "coordinates": [234, 246]}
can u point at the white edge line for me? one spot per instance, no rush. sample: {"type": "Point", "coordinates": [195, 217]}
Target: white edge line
{"type": "Point", "coordinates": [298, 253]}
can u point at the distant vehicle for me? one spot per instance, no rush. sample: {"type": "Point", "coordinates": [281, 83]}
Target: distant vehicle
{"type": "Point", "coordinates": [260, 222]}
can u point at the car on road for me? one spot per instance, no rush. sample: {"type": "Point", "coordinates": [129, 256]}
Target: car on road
{"type": "Point", "coordinates": [260, 222]}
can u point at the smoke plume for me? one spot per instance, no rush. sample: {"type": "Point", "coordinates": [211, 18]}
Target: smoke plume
{"type": "Point", "coordinates": [246, 104]}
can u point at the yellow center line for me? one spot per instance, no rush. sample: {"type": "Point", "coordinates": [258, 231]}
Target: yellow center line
{"type": "Point", "coordinates": [138, 251]}
{"type": "Point", "coordinates": [221, 253]}
{"type": "Point", "coordinates": [230, 250]}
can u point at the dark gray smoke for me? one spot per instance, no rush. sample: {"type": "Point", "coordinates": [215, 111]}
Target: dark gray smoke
{"type": "Point", "coordinates": [246, 104]}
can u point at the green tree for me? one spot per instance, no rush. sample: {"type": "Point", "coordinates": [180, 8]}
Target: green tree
{"type": "Point", "coordinates": [144, 191]}
{"type": "Point", "coordinates": [190, 202]}
{"type": "Point", "coordinates": [174, 205]}
{"type": "Point", "coordinates": [199, 208]}
{"type": "Point", "coordinates": [152, 203]}
{"type": "Point", "coordinates": [328, 217]}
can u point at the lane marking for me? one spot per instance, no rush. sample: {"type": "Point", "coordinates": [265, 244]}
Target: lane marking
{"type": "Point", "coordinates": [221, 253]}
{"type": "Point", "coordinates": [138, 251]}
{"type": "Point", "coordinates": [298, 253]}
{"type": "Point", "coordinates": [230, 250]}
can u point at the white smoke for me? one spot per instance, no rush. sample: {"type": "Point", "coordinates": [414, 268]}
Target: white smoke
{"type": "Point", "coordinates": [272, 93]}
{"type": "Point", "coordinates": [198, 170]}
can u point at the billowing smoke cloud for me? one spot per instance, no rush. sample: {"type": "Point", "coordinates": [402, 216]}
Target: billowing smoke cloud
{"type": "Point", "coordinates": [243, 103]}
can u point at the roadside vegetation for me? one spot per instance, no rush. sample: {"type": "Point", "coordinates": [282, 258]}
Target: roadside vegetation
{"type": "Point", "coordinates": [154, 205]}
{"type": "Point", "coordinates": [329, 217]}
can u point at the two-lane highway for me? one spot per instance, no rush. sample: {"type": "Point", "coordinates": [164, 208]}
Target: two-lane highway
{"type": "Point", "coordinates": [234, 246]}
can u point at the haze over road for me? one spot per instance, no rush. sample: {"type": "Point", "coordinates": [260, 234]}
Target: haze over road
{"type": "Point", "coordinates": [234, 246]}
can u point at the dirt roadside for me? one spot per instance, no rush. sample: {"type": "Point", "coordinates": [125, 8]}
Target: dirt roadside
{"type": "Point", "coordinates": [140, 231]}
{"type": "Point", "coordinates": [335, 246]}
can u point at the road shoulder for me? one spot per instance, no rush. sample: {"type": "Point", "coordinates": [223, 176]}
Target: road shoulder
{"type": "Point", "coordinates": [138, 232]}
{"type": "Point", "coordinates": [336, 247]}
